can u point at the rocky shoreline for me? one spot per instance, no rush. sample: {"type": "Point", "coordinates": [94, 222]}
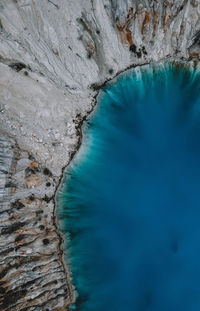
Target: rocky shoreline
{"type": "Point", "coordinates": [53, 60]}
{"type": "Point", "coordinates": [79, 124]}
{"type": "Point", "coordinates": [28, 193]}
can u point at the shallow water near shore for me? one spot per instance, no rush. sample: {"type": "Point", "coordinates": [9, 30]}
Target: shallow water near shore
{"type": "Point", "coordinates": [129, 208]}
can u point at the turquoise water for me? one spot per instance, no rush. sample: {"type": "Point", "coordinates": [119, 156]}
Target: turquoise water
{"type": "Point", "coordinates": [129, 209]}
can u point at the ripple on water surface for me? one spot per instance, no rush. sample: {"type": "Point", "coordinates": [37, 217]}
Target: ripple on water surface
{"type": "Point", "coordinates": [129, 209]}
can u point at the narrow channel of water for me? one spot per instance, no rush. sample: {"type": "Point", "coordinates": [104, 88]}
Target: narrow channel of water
{"type": "Point", "coordinates": [129, 209]}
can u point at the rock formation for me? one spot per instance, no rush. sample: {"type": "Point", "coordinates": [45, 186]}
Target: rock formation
{"type": "Point", "coordinates": [54, 55]}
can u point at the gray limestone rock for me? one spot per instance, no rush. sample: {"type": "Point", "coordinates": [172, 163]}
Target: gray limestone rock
{"type": "Point", "coordinates": [54, 55]}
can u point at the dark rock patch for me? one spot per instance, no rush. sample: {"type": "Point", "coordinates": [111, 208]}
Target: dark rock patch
{"type": "Point", "coordinates": [31, 197]}
{"type": "Point", "coordinates": [39, 212]}
{"type": "Point", "coordinates": [3, 273]}
{"type": "Point", "coordinates": [17, 204]}
{"type": "Point", "coordinates": [47, 199]}
{"type": "Point", "coordinates": [29, 283]}
{"type": "Point", "coordinates": [2, 290]}
{"type": "Point", "coordinates": [17, 66]}
{"type": "Point", "coordinates": [197, 38]}
{"type": "Point", "coordinates": [10, 185]}
{"type": "Point", "coordinates": [89, 55]}
{"type": "Point", "coordinates": [19, 237]}
{"type": "Point", "coordinates": [133, 48]}
{"type": "Point", "coordinates": [11, 298]}
{"type": "Point", "coordinates": [31, 157]}
{"type": "Point", "coordinates": [139, 53]}
{"type": "Point", "coordinates": [12, 228]}
{"type": "Point", "coordinates": [47, 172]}
{"type": "Point", "coordinates": [1, 26]}
{"type": "Point", "coordinates": [144, 50]}
{"type": "Point", "coordinates": [3, 171]}
{"type": "Point", "coordinates": [45, 241]}
{"type": "Point", "coordinates": [6, 251]}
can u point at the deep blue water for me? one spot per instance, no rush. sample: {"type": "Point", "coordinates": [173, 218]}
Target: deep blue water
{"type": "Point", "coordinates": [130, 204]}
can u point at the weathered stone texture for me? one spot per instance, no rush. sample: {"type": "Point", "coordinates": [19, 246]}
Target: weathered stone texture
{"type": "Point", "coordinates": [51, 52]}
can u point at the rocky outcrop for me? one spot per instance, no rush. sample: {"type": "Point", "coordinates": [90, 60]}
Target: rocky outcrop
{"type": "Point", "coordinates": [53, 54]}
{"type": "Point", "coordinates": [194, 50]}
{"type": "Point", "coordinates": [32, 276]}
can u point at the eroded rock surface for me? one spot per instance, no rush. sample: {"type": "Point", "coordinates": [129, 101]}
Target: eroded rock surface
{"type": "Point", "coordinates": [51, 53]}
{"type": "Point", "coordinates": [32, 274]}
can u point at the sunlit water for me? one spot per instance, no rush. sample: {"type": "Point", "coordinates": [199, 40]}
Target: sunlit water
{"type": "Point", "coordinates": [129, 209]}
